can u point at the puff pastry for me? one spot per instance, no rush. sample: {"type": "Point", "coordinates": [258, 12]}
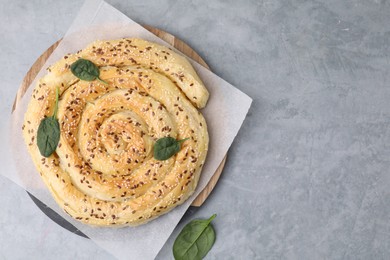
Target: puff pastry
{"type": "Point", "coordinates": [103, 172]}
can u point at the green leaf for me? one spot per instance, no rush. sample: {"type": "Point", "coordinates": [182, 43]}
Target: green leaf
{"type": "Point", "coordinates": [86, 70]}
{"type": "Point", "coordinates": [195, 240]}
{"type": "Point", "coordinates": [48, 134]}
{"type": "Point", "coordinates": [166, 147]}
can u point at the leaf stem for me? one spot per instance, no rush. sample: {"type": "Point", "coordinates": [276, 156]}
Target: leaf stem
{"type": "Point", "coordinates": [182, 140]}
{"type": "Point", "coordinates": [212, 217]}
{"type": "Point", "coordinates": [102, 81]}
{"type": "Point", "coordinates": [56, 105]}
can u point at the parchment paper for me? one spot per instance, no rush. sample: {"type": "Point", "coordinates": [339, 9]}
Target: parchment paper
{"type": "Point", "coordinates": [224, 113]}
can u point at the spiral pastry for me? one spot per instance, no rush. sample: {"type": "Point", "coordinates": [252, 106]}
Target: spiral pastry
{"type": "Point", "coordinates": [103, 172]}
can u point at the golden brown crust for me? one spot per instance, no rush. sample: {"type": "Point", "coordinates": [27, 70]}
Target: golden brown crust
{"type": "Point", "coordinates": [103, 172]}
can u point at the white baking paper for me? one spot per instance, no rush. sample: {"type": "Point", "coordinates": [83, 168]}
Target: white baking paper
{"type": "Point", "coordinates": [225, 112]}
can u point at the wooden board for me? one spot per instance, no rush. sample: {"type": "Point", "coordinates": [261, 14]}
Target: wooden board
{"type": "Point", "coordinates": [170, 39]}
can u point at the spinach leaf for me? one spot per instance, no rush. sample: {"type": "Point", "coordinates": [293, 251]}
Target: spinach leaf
{"type": "Point", "coordinates": [86, 70]}
{"type": "Point", "coordinates": [48, 134]}
{"type": "Point", "coordinates": [195, 240]}
{"type": "Point", "coordinates": [166, 147]}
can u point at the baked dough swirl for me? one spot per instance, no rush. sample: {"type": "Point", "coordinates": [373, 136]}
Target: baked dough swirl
{"type": "Point", "coordinates": [103, 172]}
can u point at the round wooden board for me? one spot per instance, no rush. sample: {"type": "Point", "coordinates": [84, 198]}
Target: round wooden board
{"type": "Point", "coordinates": [167, 37]}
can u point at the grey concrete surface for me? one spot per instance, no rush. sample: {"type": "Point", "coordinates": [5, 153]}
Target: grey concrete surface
{"type": "Point", "coordinates": [308, 174]}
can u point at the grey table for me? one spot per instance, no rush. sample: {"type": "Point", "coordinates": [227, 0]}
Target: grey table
{"type": "Point", "coordinates": [308, 174]}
